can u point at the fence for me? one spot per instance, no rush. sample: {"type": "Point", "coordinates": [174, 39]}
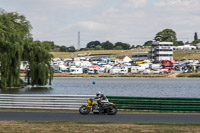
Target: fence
{"type": "Point", "coordinates": [73, 102]}
{"type": "Point", "coordinates": [164, 104]}
{"type": "Point", "coordinates": [32, 101]}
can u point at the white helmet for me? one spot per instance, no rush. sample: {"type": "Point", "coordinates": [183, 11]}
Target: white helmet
{"type": "Point", "coordinates": [98, 94]}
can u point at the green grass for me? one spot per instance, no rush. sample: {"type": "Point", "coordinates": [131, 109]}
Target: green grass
{"type": "Point", "coordinates": [115, 52]}
{"type": "Point", "coordinates": [109, 75]}
{"type": "Point", "coordinates": [178, 54]}
{"type": "Point", "coordinates": [181, 54]}
{"type": "Point", "coordinates": [100, 127]}
{"type": "Point", "coordinates": [189, 75]}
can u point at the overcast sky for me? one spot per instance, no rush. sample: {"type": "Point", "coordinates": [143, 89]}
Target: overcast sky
{"type": "Point", "coordinates": [129, 21]}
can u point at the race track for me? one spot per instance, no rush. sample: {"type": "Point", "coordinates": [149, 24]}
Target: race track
{"type": "Point", "coordinates": [139, 118]}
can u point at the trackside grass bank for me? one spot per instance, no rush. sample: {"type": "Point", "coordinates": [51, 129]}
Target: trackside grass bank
{"type": "Point", "coordinates": [189, 75]}
{"type": "Point", "coordinates": [86, 127]}
{"type": "Point", "coordinates": [177, 54]}
{"type": "Point", "coordinates": [109, 75]}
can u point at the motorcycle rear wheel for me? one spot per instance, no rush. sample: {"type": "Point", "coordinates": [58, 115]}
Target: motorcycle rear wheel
{"type": "Point", "coordinates": [84, 110]}
{"type": "Point", "coordinates": [112, 110]}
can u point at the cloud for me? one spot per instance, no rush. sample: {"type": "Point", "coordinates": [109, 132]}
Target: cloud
{"type": "Point", "coordinates": [90, 25]}
{"type": "Point", "coordinates": [187, 4]}
{"type": "Point", "coordinates": [86, 25]}
{"type": "Point", "coordinates": [135, 3]}
{"type": "Point", "coordinates": [73, 4]}
{"type": "Point", "coordinates": [131, 21]}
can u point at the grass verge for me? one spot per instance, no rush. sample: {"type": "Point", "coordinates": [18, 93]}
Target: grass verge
{"type": "Point", "coordinates": [86, 127]}
{"type": "Point", "coordinates": [189, 75]}
{"type": "Point", "coordinates": [178, 54]}
{"type": "Point", "coordinates": [109, 75]}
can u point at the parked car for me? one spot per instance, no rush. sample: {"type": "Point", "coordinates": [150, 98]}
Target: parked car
{"type": "Point", "coordinates": [146, 71]}
{"type": "Point", "coordinates": [76, 70]}
{"type": "Point", "coordinates": [157, 71]}
{"type": "Point", "coordinates": [166, 70]}
{"type": "Point", "coordinates": [57, 71]}
{"type": "Point", "coordinates": [93, 71]}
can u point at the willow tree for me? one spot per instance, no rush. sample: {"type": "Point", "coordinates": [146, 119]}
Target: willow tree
{"type": "Point", "coordinates": [15, 41]}
{"type": "Point", "coordinates": [14, 30]}
{"type": "Point", "coordinates": [40, 71]}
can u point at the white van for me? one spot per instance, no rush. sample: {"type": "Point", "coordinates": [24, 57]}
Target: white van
{"type": "Point", "coordinates": [93, 71]}
{"type": "Point", "coordinates": [76, 70]}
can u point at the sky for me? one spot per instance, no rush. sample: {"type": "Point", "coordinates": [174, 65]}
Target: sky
{"type": "Point", "coordinates": [129, 21]}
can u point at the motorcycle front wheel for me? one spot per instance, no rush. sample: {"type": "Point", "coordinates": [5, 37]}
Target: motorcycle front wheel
{"type": "Point", "coordinates": [112, 110]}
{"type": "Point", "coordinates": [84, 110]}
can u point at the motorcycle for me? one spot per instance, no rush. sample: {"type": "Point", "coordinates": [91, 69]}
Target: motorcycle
{"type": "Point", "coordinates": [96, 108]}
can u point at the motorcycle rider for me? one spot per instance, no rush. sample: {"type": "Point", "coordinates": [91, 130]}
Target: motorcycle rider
{"type": "Point", "coordinates": [101, 98]}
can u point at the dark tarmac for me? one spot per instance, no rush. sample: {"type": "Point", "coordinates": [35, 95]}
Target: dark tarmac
{"type": "Point", "coordinates": [76, 117]}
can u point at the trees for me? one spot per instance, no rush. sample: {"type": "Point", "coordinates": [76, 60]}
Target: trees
{"type": "Point", "coordinates": [107, 45]}
{"type": "Point", "coordinates": [39, 63]}
{"type": "Point", "coordinates": [148, 43]}
{"type": "Point", "coordinates": [93, 44]}
{"type": "Point", "coordinates": [195, 36]}
{"type": "Point", "coordinates": [98, 47]}
{"type": "Point", "coordinates": [14, 31]}
{"type": "Point", "coordinates": [196, 40]}
{"type": "Point", "coordinates": [16, 44]}
{"type": "Point", "coordinates": [178, 43]}
{"type": "Point", "coordinates": [49, 45]}
{"type": "Point", "coordinates": [123, 45]}
{"type": "Point", "coordinates": [118, 48]}
{"type": "Point", "coordinates": [71, 49]}
{"type": "Point", "coordinates": [63, 49]}
{"type": "Point", "coordinates": [167, 35]}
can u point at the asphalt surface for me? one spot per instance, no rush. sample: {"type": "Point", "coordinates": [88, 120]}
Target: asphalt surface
{"type": "Point", "coordinates": [139, 118]}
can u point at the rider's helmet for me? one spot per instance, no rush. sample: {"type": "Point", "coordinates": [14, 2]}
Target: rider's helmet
{"type": "Point", "coordinates": [99, 94]}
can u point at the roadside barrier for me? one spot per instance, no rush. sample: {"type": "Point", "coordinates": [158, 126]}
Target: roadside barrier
{"type": "Point", "coordinates": [162, 104]}
{"type": "Point", "coordinates": [73, 102]}
{"type": "Point", "coordinates": [34, 101]}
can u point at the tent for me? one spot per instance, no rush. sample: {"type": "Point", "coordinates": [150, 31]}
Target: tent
{"type": "Point", "coordinates": [94, 66]}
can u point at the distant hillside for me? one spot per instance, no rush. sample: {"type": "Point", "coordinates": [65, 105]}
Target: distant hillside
{"type": "Point", "coordinates": [178, 54]}
{"type": "Point", "coordinates": [114, 53]}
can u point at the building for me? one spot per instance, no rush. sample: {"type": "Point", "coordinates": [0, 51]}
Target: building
{"type": "Point", "coordinates": [140, 56]}
{"type": "Point", "coordinates": [161, 51]}
{"type": "Point", "coordinates": [122, 59]}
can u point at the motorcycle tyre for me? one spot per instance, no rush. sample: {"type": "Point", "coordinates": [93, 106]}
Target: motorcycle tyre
{"type": "Point", "coordinates": [95, 113]}
{"type": "Point", "coordinates": [112, 113]}
{"type": "Point", "coordinates": [84, 113]}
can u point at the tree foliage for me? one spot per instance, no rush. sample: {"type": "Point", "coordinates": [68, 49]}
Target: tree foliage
{"type": "Point", "coordinates": [148, 43]}
{"type": "Point", "coordinates": [178, 43]}
{"type": "Point", "coordinates": [118, 48]}
{"type": "Point", "coordinates": [15, 45]}
{"type": "Point", "coordinates": [14, 31]}
{"type": "Point", "coordinates": [196, 40]}
{"type": "Point", "coordinates": [39, 63]}
{"type": "Point", "coordinates": [123, 45]}
{"type": "Point", "coordinates": [93, 44]}
{"type": "Point", "coordinates": [98, 47]}
{"type": "Point", "coordinates": [195, 36]}
{"type": "Point", "coordinates": [167, 35]}
{"type": "Point", "coordinates": [63, 49]}
{"type": "Point", "coordinates": [107, 45]}
{"type": "Point", "coordinates": [71, 49]}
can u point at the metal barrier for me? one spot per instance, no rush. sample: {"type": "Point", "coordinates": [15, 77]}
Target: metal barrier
{"type": "Point", "coordinates": [164, 104]}
{"type": "Point", "coordinates": [73, 102]}
{"type": "Point", "coordinates": [32, 101]}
